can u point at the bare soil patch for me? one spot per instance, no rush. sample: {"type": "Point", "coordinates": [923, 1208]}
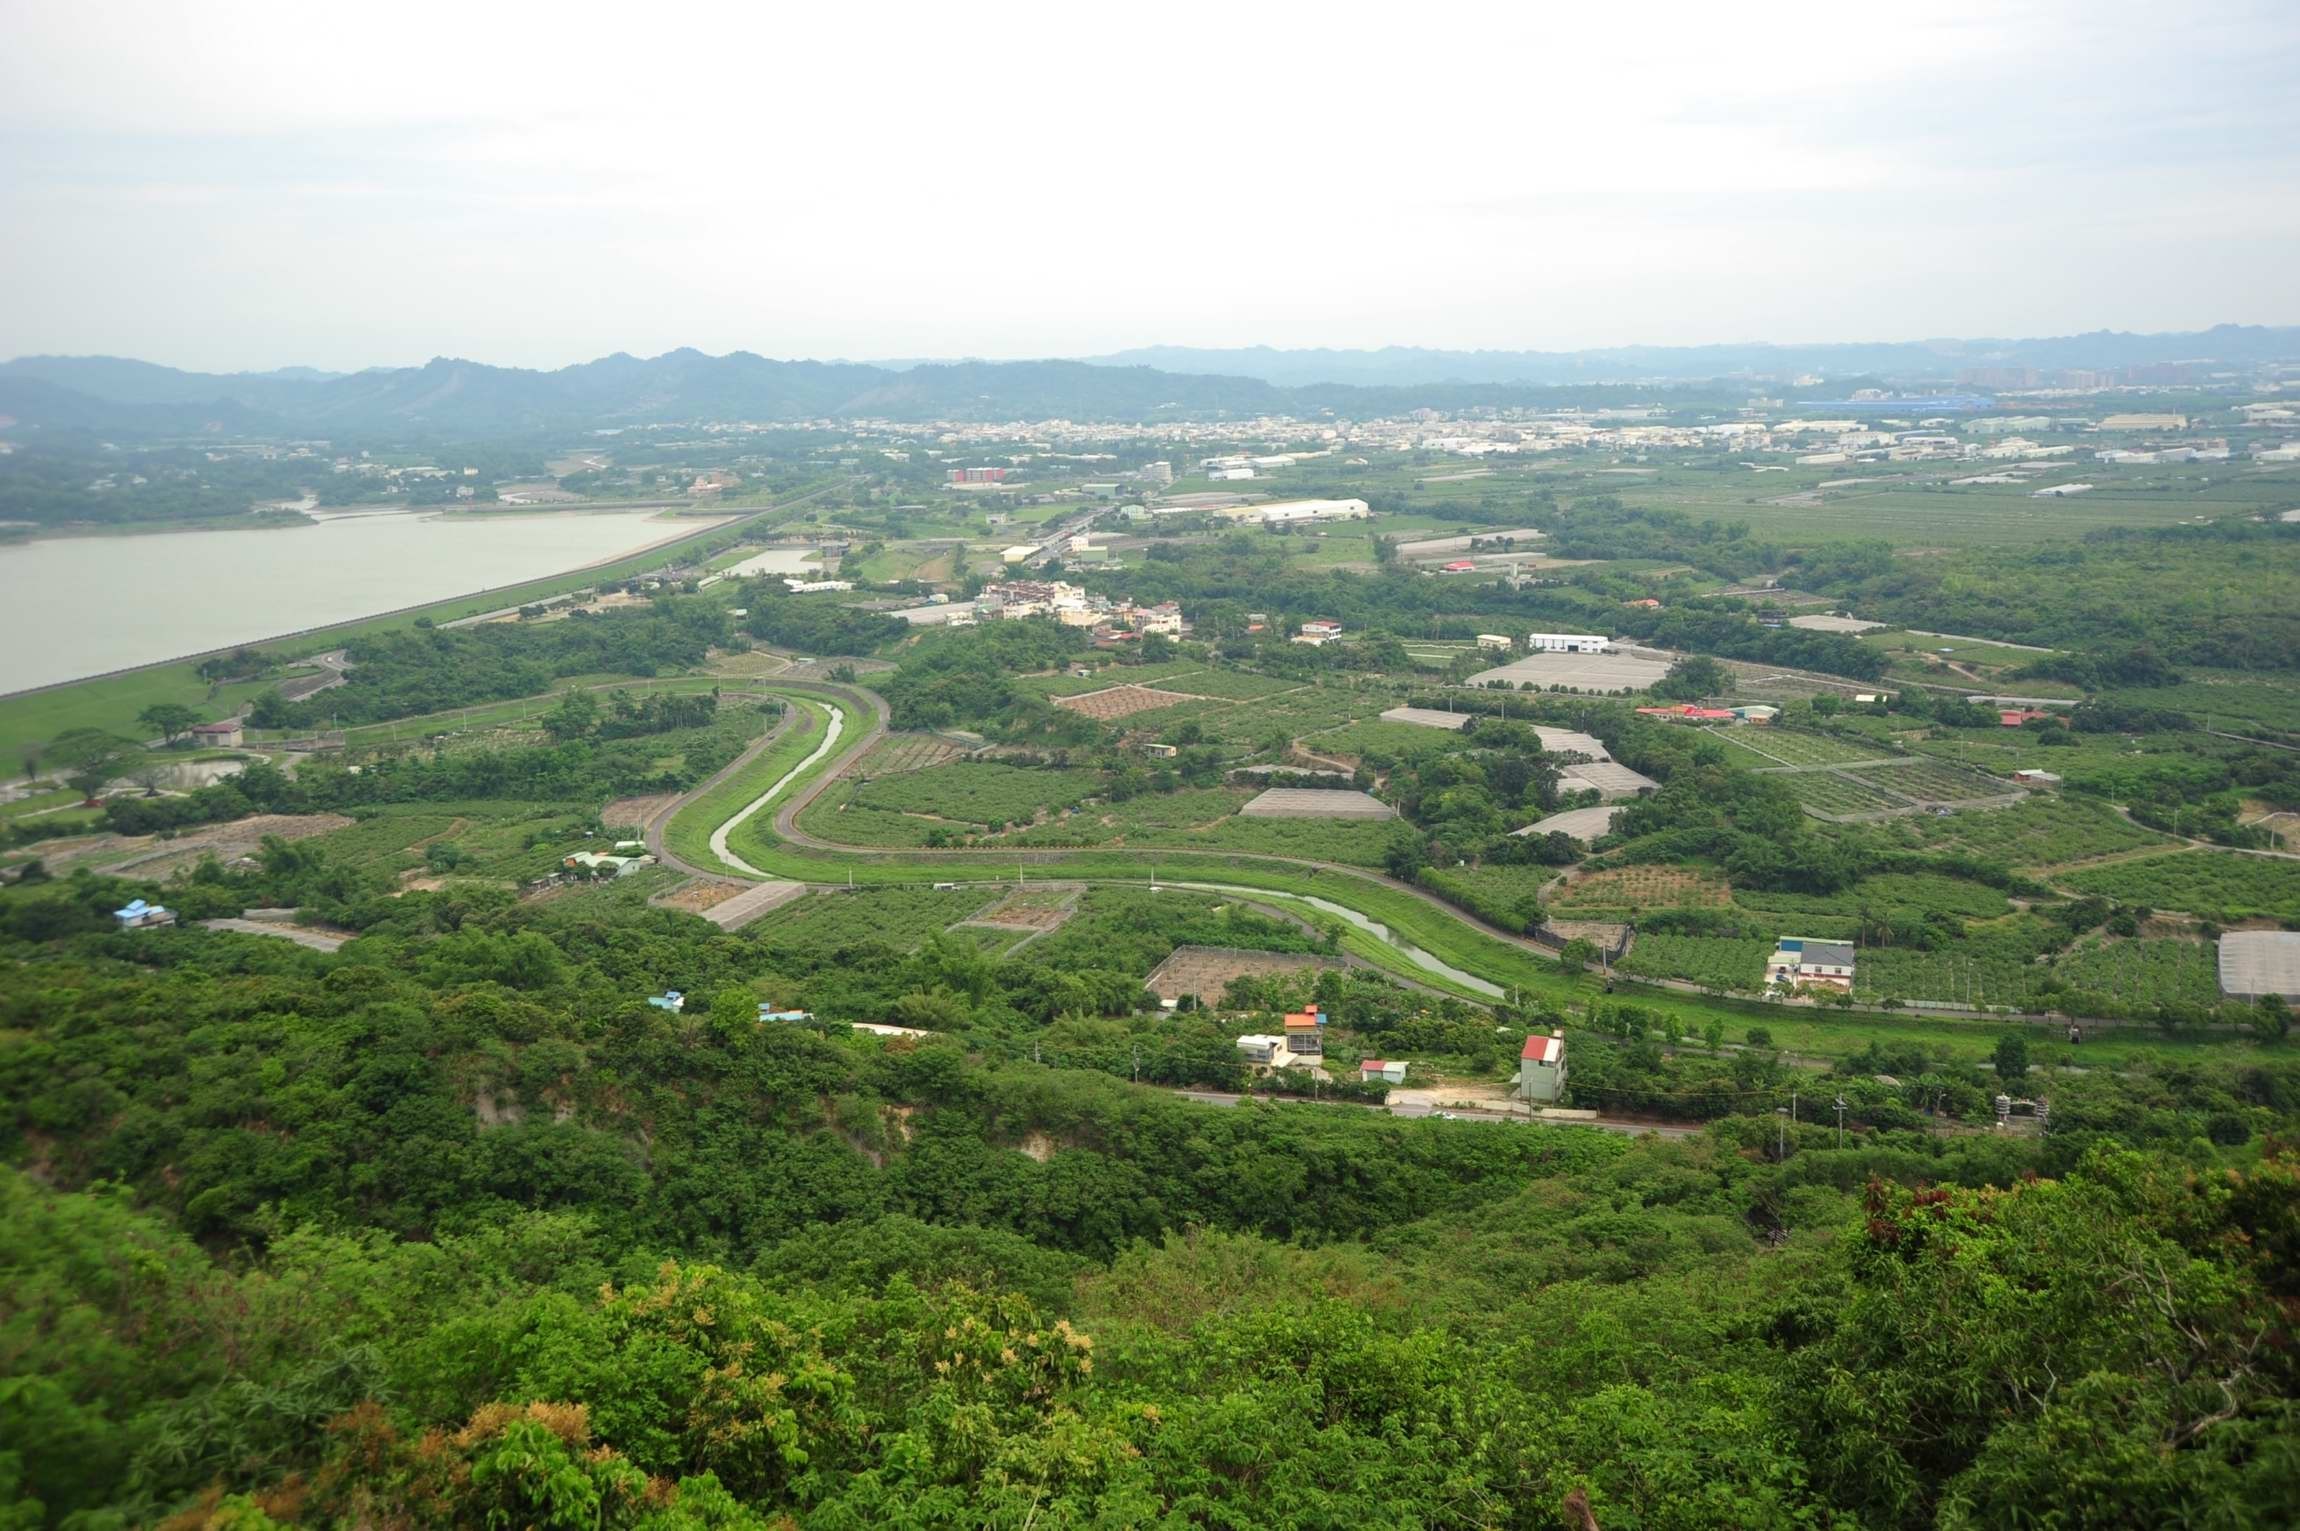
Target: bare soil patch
{"type": "Point", "coordinates": [1038, 909]}
{"type": "Point", "coordinates": [696, 896]}
{"type": "Point", "coordinates": [1644, 887]}
{"type": "Point", "coordinates": [1123, 701]}
{"type": "Point", "coordinates": [150, 856]}
{"type": "Point", "coordinates": [1206, 970]}
{"type": "Point", "coordinates": [630, 812]}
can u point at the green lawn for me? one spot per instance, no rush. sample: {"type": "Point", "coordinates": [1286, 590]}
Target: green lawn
{"type": "Point", "coordinates": [111, 704]}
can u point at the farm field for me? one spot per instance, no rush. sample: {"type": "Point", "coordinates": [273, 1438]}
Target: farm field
{"type": "Point", "coordinates": [1936, 781]}
{"type": "Point", "coordinates": [1289, 716]}
{"type": "Point", "coordinates": [1227, 685]}
{"type": "Point", "coordinates": [1205, 971]}
{"type": "Point", "coordinates": [1508, 896]}
{"type": "Point", "coordinates": [900, 917]}
{"type": "Point", "coordinates": [1993, 965]}
{"type": "Point", "coordinates": [1027, 909]}
{"type": "Point", "coordinates": [1643, 887]}
{"type": "Point", "coordinates": [1784, 746]}
{"type": "Point", "coordinates": [2220, 698]}
{"type": "Point", "coordinates": [1106, 676]}
{"type": "Point", "coordinates": [1975, 516]}
{"type": "Point", "coordinates": [1123, 701]}
{"type": "Point", "coordinates": [1377, 740]}
{"type": "Point", "coordinates": [981, 792]}
{"type": "Point", "coordinates": [2215, 885]}
{"type": "Point", "coordinates": [2042, 828]}
{"type": "Point", "coordinates": [2140, 974]}
{"type": "Point", "coordinates": [1350, 843]}
{"type": "Point", "coordinates": [1825, 792]}
{"type": "Point", "coordinates": [1716, 962]}
{"type": "Point", "coordinates": [491, 839]}
{"type": "Point", "coordinates": [897, 753]}
{"type": "Point", "coordinates": [1927, 892]}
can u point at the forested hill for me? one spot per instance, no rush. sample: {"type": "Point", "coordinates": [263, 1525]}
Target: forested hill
{"type": "Point", "coordinates": [451, 397]}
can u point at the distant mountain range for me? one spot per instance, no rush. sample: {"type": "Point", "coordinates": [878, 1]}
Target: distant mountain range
{"type": "Point", "coordinates": [1916, 360]}
{"type": "Point", "coordinates": [453, 398]}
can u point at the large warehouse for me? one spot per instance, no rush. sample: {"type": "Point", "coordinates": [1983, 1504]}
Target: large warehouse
{"type": "Point", "coordinates": [2257, 963]}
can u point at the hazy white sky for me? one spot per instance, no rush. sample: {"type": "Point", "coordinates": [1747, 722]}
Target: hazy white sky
{"type": "Point", "coordinates": [249, 185]}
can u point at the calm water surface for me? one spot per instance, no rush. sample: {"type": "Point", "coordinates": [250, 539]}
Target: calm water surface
{"type": "Point", "coordinates": [74, 606]}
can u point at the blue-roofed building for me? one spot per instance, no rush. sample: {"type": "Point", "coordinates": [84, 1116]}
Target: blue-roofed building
{"type": "Point", "coordinates": [669, 999]}
{"type": "Point", "coordinates": [139, 915]}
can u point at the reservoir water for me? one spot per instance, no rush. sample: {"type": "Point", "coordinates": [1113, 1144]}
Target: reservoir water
{"type": "Point", "coordinates": [76, 606]}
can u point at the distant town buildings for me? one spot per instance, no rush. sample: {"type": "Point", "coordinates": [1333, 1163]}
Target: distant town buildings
{"type": "Point", "coordinates": [1290, 511]}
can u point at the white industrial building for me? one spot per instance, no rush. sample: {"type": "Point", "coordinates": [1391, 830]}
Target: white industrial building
{"type": "Point", "coordinates": [1313, 510]}
{"type": "Point", "coordinates": [1567, 643]}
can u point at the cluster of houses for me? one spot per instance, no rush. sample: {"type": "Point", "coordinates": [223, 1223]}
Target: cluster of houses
{"type": "Point", "coordinates": [1112, 621]}
{"type": "Point", "coordinates": [1540, 1078]}
{"type": "Point", "coordinates": [1687, 712]}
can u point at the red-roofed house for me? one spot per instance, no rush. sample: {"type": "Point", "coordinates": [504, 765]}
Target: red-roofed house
{"type": "Point", "coordinates": [1381, 1071]}
{"type": "Point", "coordinates": [225, 735]}
{"type": "Point", "coordinates": [1304, 1039]}
{"type": "Point", "coordinates": [2010, 719]}
{"type": "Point", "coordinates": [1541, 1069]}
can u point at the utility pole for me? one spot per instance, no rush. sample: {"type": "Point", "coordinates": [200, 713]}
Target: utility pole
{"type": "Point", "coordinates": [1840, 1121]}
{"type": "Point", "coordinates": [1792, 1106]}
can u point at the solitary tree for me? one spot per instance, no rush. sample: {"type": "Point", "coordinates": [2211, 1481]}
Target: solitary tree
{"type": "Point", "coordinates": [2012, 1057]}
{"type": "Point", "coordinates": [90, 758]}
{"type": "Point", "coordinates": [170, 720]}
